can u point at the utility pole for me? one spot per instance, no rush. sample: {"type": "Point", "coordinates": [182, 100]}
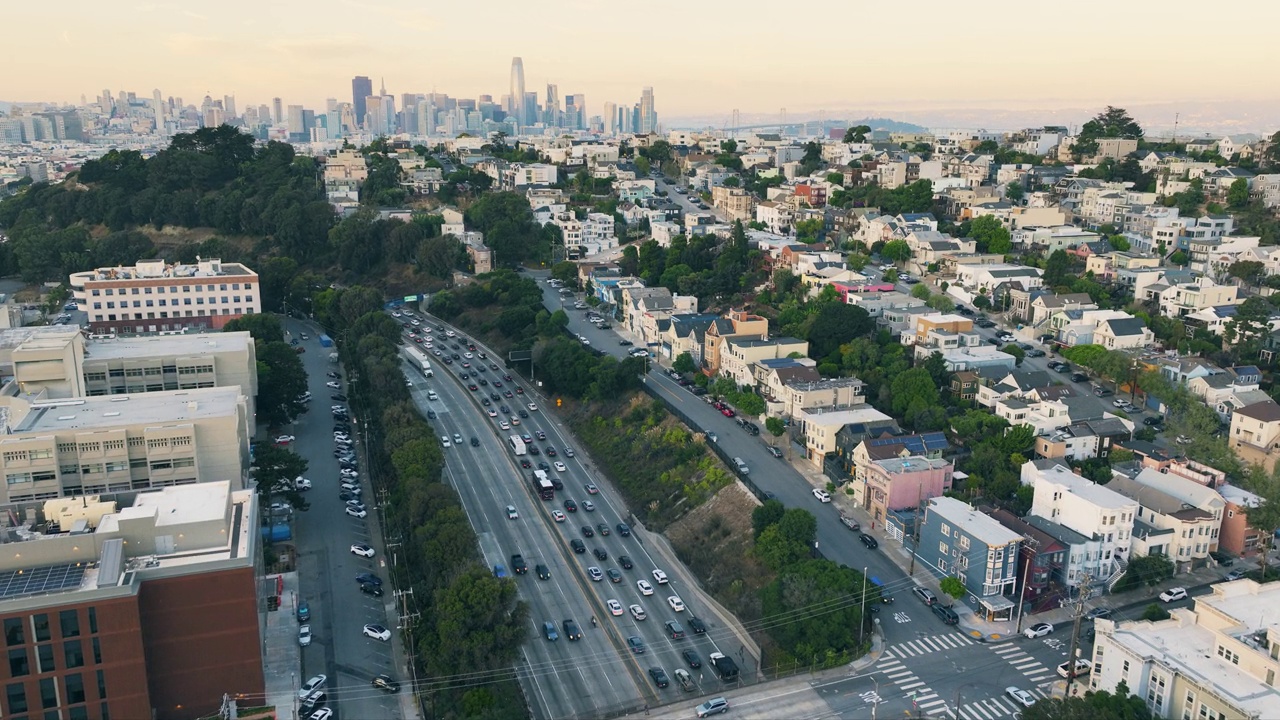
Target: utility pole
{"type": "Point", "coordinates": [915, 534]}
{"type": "Point", "coordinates": [874, 703]}
{"type": "Point", "coordinates": [1075, 629]}
{"type": "Point", "coordinates": [862, 616]}
{"type": "Point", "coordinates": [1026, 577]}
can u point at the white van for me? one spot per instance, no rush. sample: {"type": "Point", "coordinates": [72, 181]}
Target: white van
{"type": "Point", "coordinates": [431, 395]}
{"type": "Point", "coordinates": [742, 466]}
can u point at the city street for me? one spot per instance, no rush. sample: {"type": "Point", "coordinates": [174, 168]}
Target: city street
{"type": "Point", "coordinates": [598, 674]}
{"type": "Point", "coordinates": [327, 569]}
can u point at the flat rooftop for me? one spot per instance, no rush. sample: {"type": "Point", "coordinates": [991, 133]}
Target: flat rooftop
{"type": "Point", "coordinates": [137, 347]}
{"type": "Point", "coordinates": [115, 410]}
{"type": "Point", "coordinates": [11, 338]}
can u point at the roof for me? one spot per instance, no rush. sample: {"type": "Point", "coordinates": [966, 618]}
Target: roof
{"type": "Point", "coordinates": [116, 410]}
{"type": "Point", "coordinates": [1061, 533]}
{"type": "Point", "coordinates": [917, 444]}
{"type": "Point", "coordinates": [1265, 411]}
{"type": "Point", "coordinates": [1153, 498]}
{"type": "Point", "coordinates": [982, 528]}
{"type": "Point", "coordinates": [166, 345]}
{"type": "Point", "coordinates": [1084, 488]}
{"type": "Point", "coordinates": [1044, 542]}
{"type": "Point", "coordinates": [1185, 489]}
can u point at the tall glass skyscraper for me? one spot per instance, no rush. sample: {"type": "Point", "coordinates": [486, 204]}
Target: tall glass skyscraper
{"type": "Point", "coordinates": [361, 88]}
{"type": "Point", "coordinates": [517, 92]}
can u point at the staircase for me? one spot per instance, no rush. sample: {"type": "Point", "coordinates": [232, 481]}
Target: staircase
{"type": "Point", "coordinates": [1114, 578]}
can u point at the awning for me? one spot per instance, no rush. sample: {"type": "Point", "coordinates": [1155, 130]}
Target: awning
{"type": "Point", "coordinates": [996, 603]}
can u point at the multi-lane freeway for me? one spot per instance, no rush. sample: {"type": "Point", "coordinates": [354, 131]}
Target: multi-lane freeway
{"type": "Point", "coordinates": [601, 673]}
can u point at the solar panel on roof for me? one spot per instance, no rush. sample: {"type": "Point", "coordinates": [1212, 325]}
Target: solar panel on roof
{"type": "Point", "coordinates": [41, 580]}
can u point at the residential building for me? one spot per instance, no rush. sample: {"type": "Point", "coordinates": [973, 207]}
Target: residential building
{"type": "Point", "coordinates": [979, 357]}
{"type": "Point", "coordinates": [687, 334]}
{"type": "Point", "coordinates": [1255, 433]}
{"type": "Point", "coordinates": [1087, 508]}
{"type": "Point", "coordinates": [155, 296]}
{"type": "Point", "coordinates": [1216, 659]}
{"type": "Point", "coordinates": [739, 354]}
{"type": "Point", "coordinates": [901, 483]}
{"type": "Point", "coordinates": [1080, 549]}
{"type": "Point", "coordinates": [118, 443]}
{"type": "Point", "coordinates": [958, 541]}
{"type": "Point", "coordinates": [858, 450]}
{"type": "Point", "coordinates": [1167, 525]}
{"type": "Point", "coordinates": [1238, 536]}
{"type": "Point", "coordinates": [1083, 440]}
{"type": "Point", "coordinates": [817, 429]}
{"type": "Point", "coordinates": [1123, 334]}
{"type": "Point", "coordinates": [123, 596]}
{"type": "Point", "coordinates": [876, 302]}
{"type": "Point", "coordinates": [736, 202]}
{"type": "Point", "coordinates": [976, 278]}
{"type": "Point", "coordinates": [1043, 305]}
{"type": "Point", "coordinates": [1043, 559]}
{"type": "Point", "coordinates": [739, 323]}
{"type": "Point", "coordinates": [777, 217]}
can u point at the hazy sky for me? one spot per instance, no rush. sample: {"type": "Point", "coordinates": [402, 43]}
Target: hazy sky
{"type": "Point", "coordinates": [702, 58]}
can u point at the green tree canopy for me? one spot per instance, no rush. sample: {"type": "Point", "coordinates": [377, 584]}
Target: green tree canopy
{"type": "Point", "coordinates": [896, 251]}
{"type": "Point", "coordinates": [836, 324]}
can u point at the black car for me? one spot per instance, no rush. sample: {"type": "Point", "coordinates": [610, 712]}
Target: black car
{"type": "Point", "coordinates": [518, 564]}
{"type": "Point", "coordinates": [571, 631]}
{"type": "Point", "coordinates": [587, 531]}
{"type": "Point", "coordinates": [384, 682]}
{"type": "Point", "coordinates": [523, 414]}
{"type": "Point", "coordinates": [946, 614]}
{"type": "Point", "coordinates": [1152, 421]}
{"type": "Point", "coordinates": [524, 463]}
{"type": "Point", "coordinates": [570, 505]}
{"type": "Point", "coordinates": [697, 626]}
{"type": "Point", "coordinates": [475, 442]}
{"type": "Point", "coordinates": [602, 529]}
{"type": "Point", "coordinates": [578, 546]}
{"type": "Point", "coordinates": [346, 495]}
{"type": "Point", "coordinates": [624, 530]}
{"type": "Point", "coordinates": [600, 553]}
{"type": "Point", "coordinates": [339, 397]}
{"type": "Point", "coordinates": [625, 562]}
{"type": "Point", "coordinates": [542, 571]}
{"type": "Point", "coordinates": [371, 589]}
{"type": "Point", "coordinates": [369, 578]}
{"type": "Point", "coordinates": [431, 414]}
{"type": "Point", "coordinates": [869, 541]}
{"type": "Point", "coordinates": [659, 676]}
{"type": "Point", "coordinates": [692, 658]}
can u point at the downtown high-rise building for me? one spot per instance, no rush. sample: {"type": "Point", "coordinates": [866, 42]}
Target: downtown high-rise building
{"type": "Point", "coordinates": [648, 117]}
{"type": "Point", "coordinates": [361, 89]}
{"type": "Point", "coordinates": [229, 106]}
{"type": "Point", "coordinates": [277, 111]}
{"type": "Point", "coordinates": [575, 111]}
{"type": "Point", "coordinates": [610, 118]}
{"type": "Point", "coordinates": [551, 111]}
{"type": "Point", "coordinates": [518, 108]}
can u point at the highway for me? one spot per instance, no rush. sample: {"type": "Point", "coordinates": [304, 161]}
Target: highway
{"type": "Point", "coordinates": [598, 674]}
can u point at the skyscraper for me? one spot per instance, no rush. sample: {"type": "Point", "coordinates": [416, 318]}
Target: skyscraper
{"type": "Point", "coordinates": [277, 111]}
{"type": "Point", "coordinates": [361, 88]}
{"type": "Point", "coordinates": [229, 106]}
{"type": "Point", "coordinates": [517, 91]}
{"type": "Point", "coordinates": [648, 118]}
{"type": "Point", "coordinates": [552, 110]}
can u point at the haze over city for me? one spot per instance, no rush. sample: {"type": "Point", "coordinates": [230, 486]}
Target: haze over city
{"type": "Point", "coordinates": [929, 64]}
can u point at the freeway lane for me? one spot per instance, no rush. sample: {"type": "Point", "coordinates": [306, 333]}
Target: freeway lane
{"type": "Point", "coordinates": [540, 539]}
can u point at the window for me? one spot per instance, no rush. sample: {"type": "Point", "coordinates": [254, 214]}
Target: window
{"type": "Point", "coordinates": [75, 689]}
{"type": "Point", "coordinates": [78, 712]}
{"type": "Point", "coordinates": [72, 654]}
{"type": "Point", "coordinates": [102, 686]}
{"type": "Point", "coordinates": [13, 632]}
{"type": "Point", "coordinates": [19, 664]}
{"type": "Point", "coordinates": [40, 627]}
{"type": "Point", "coordinates": [48, 693]}
{"type": "Point", "coordinates": [1231, 657]}
{"type": "Point", "coordinates": [44, 658]}
{"type": "Point", "coordinates": [97, 652]}
{"type": "Point", "coordinates": [93, 620]}
{"type": "Point", "coordinates": [17, 698]}
{"type": "Point", "coordinates": [942, 548]}
{"type": "Point", "coordinates": [945, 529]}
{"type": "Point", "coordinates": [70, 621]}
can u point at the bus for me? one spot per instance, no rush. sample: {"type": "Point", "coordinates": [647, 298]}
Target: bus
{"type": "Point", "coordinates": [518, 446]}
{"type": "Point", "coordinates": [542, 485]}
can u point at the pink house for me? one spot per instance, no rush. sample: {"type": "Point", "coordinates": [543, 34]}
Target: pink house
{"type": "Point", "coordinates": [902, 483]}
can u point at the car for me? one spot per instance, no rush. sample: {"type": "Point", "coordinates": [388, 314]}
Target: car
{"type": "Point", "coordinates": [571, 630]}
{"type": "Point", "coordinates": [591, 488]}
{"type": "Point", "coordinates": [559, 466]}
{"type": "Point", "coordinates": [323, 713]}
{"type": "Point", "coordinates": [570, 505]}
{"type": "Point", "coordinates": [774, 451]}
{"type": "Point", "coordinates": [659, 676]}
{"type": "Point", "coordinates": [600, 554]}
{"type": "Point", "coordinates": [614, 575]}
{"type": "Point", "coordinates": [1038, 630]}
{"type": "Point", "coordinates": [310, 686]}
{"type": "Point", "coordinates": [602, 528]}
{"type": "Point", "coordinates": [499, 570]}
{"type": "Point", "coordinates": [615, 607]}
{"type": "Point", "coordinates": [586, 504]}
{"type": "Point", "coordinates": [850, 523]}
{"type": "Point", "coordinates": [1098, 612]}
{"type": "Point", "coordinates": [1173, 594]}
{"type": "Point", "coordinates": [714, 706]}
{"type": "Point", "coordinates": [578, 546]}
{"type": "Point", "coordinates": [333, 385]}
{"type": "Point", "coordinates": [625, 562]}
{"type": "Point", "coordinates": [516, 421]}
{"type": "Point", "coordinates": [377, 632]}
{"type": "Point", "coordinates": [549, 630]}
{"type": "Point", "coordinates": [550, 451]}
{"type": "Point", "coordinates": [691, 658]}
{"type": "Point", "coordinates": [533, 407]}
{"type": "Point", "coordinates": [504, 425]}
{"type": "Point", "coordinates": [1235, 575]}
{"type": "Point", "coordinates": [558, 516]}
{"type": "Point", "coordinates": [1152, 421]}
{"type": "Point", "coordinates": [822, 495]}
{"type": "Point", "coordinates": [1183, 440]}
{"type": "Point", "coordinates": [594, 572]}
{"type": "Point", "coordinates": [370, 589]}
{"type": "Point", "coordinates": [1082, 667]}
{"type": "Point", "coordinates": [284, 439]}
{"type": "Point", "coordinates": [637, 612]}
{"type": "Point", "coordinates": [645, 588]}
{"type": "Point", "coordinates": [925, 594]}
{"type": "Point", "coordinates": [304, 611]}
{"type": "Point", "coordinates": [674, 630]}
{"type": "Point", "coordinates": [369, 578]}
{"type": "Point", "coordinates": [1078, 377]}
{"type": "Point", "coordinates": [1035, 352]}
{"type": "Point", "coordinates": [386, 683]}
{"type": "Point", "coordinates": [869, 541]}
{"type": "Point", "coordinates": [300, 483]}
{"type": "Point", "coordinates": [624, 343]}
{"type": "Point", "coordinates": [362, 550]}
{"type": "Point", "coordinates": [676, 603]}
{"type": "Point", "coordinates": [542, 571]}
{"type": "Point", "coordinates": [660, 577]}
{"type": "Point", "coordinates": [519, 565]}
{"type": "Point", "coordinates": [356, 512]}
{"type": "Point", "coordinates": [1021, 697]}
{"type": "Point", "coordinates": [1222, 558]}
{"type": "Point", "coordinates": [624, 529]}
{"type": "Point", "coordinates": [521, 412]}
{"type": "Point", "coordinates": [444, 441]}
{"type": "Point", "coordinates": [945, 613]}
{"type": "Point", "coordinates": [475, 442]}
{"type": "Point", "coordinates": [350, 485]}
{"type": "Point", "coordinates": [636, 644]}
{"type": "Point", "coordinates": [512, 513]}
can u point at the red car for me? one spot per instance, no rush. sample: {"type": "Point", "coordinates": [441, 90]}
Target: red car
{"type": "Point", "coordinates": [727, 412]}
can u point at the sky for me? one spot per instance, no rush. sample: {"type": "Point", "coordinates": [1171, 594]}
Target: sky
{"type": "Point", "coordinates": [840, 58]}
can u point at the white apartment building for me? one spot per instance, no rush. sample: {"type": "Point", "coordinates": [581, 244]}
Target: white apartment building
{"type": "Point", "coordinates": [154, 296]}
{"type": "Point", "coordinates": [597, 234]}
{"type": "Point", "coordinates": [1169, 526]}
{"type": "Point", "coordinates": [1215, 661]}
{"type": "Point", "coordinates": [90, 446]}
{"type": "Point", "coordinates": [1203, 292]}
{"type": "Point", "coordinates": [1081, 505]}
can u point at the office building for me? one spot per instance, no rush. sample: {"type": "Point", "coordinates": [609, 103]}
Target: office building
{"type": "Point", "coordinates": [610, 118]}
{"type": "Point", "coordinates": [154, 296]}
{"type": "Point", "coordinates": [1214, 660]}
{"type": "Point", "coordinates": [648, 116]}
{"type": "Point", "coordinates": [575, 111]}
{"type": "Point", "coordinates": [361, 88]}
{"type": "Point", "coordinates": [517, 91]}
{"type": "Point", "coordinates": [277, 111]}
{"type": "Point", "coordinates": [229, 106]}
{"type": "Point", "coordinates": [294, 123]}
{"type": "Point", "coordinates": [551, 115]}
{"type": "Point", "coordinates": [121, 443]}
{"type": "Point", "coordinates": [132, 609]}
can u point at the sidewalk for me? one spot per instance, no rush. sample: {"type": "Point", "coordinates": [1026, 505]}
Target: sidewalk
{"type": "Point", "coordinates": [282, 656]}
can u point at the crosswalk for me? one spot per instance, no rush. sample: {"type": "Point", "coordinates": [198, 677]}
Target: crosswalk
{"type": "Point", "coordinates": [991, 708]}
{"type": "Point", "coordinates": [891, 665]}
{"type": "Point", "coordinates": [928, 645]}
{"type": "Point", "coordinates": [1030, 668]}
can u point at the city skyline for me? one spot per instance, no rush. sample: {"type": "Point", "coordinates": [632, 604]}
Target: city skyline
{"type": "Point", "coordinates": [257, 53]}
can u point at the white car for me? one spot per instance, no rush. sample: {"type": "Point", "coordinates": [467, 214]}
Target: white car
{"type": "Point", "coordinates": [284, 439]}
{"type": "Point", "coordinates": [533, 407]}
{"type": "Point", "coordinates": [594, 572]}
{"type": "Point", "coordinates": [312, 685]}
{"type": "Point", "coordinates": [377, 632]}
{"type": "Point", "coordinates": [362, 550]}
{"type": "Point", "coordinates": [559, 466]}
{"type": "Point", "coordinates": [1038, 630]}
{"type": "Point", "coordinates": [444, 440]}
{"type": "Point", "coordinates": [511, 513]}
{"type": "Point", "coordinates": [333, 385]}
{"type": "Point", "coordinates": [558, 516]}
{"type": "Point", "coordinates": [660, 576]}
{"type": "Point", "coordinates": [1173, 594]}
{"type": "Point", "coordinates": [301, 483]}
{"type": "Point", "coordinates": [350, 486]}
{"type": "Point", "coordinates": [615, 607]}
{"type": "Point", "coordinates": [645, 588]}
{"type": "Point", "coordinates": [822, 495]}
{"type": "Point", "coordinates": [676, 603]}
{"type": "Point", "coordinates": [349, 474]}
{"type": "Point", "coordinates": [395, 314]}
{"type": "Point", "coordinates": [493, 413]}
{"type": "Point", "coordinates": [588, 506]}
{"type": "Point", "coordinates": [1020, 696]}
{"type": "Point", "coordinates": [304, 635]}
{"type": "Point", "coordinates": [637, 612]}
{"type": "Point", "coordinates": [467, 355]}
{"type": "Point", "coordinates": [504, 425]}
{"type": "Point", "coordinates": [356, 512]}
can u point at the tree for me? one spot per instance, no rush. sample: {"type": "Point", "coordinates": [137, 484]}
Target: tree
{"type": "Point", "coordinates": [1018, 353]}
{"type": "Point", "coordinates": [953, 587]}
{"type": "Point", "coordinates": [990, 235]}
{"type": "Point", "coordinates": [835, 325]}
{"type": "Point", "coordinates": [565, 272]}
{"type": "Point", "coordinates": [1178, 258]}
{"type": "Point", "coordinates": [857, 134]}
{"type": "Point", "coordinates": [941, 303]}
{"type": "Point", "coordinates": [1149, 569]}
{"type": "Point", "coordinates": [1155, 613]}
{"type": "Point", "coordinates": [274, 469]}
{"type": "Point", "coordinates": [1056, 268]}
{"type": "Point", "coordinates": [1094, 705]}
{"type": "Point", "coordinates": [1118, 242]}
{"type": "Point", "coordinates": [1238, 193]}
{"type": "Point", "coordinates": [684, 363]}
{"type": "Point", "coordinates": [1251, 272]}
{"type": "Point", "coordinates": [913, 392]}
{"type": "Point", "coordinates": [1113, 122]}
{"type": "Point", "coordinates": [896, 251]}
{"type": "Point", "coordinates": [1014, 191]}
{"type": "Point", "coordinates": [775, 426]}
{"type": "Point", "coordinates": [982, 302]}
{"type": "Point", "coordinates": [921, 292]}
